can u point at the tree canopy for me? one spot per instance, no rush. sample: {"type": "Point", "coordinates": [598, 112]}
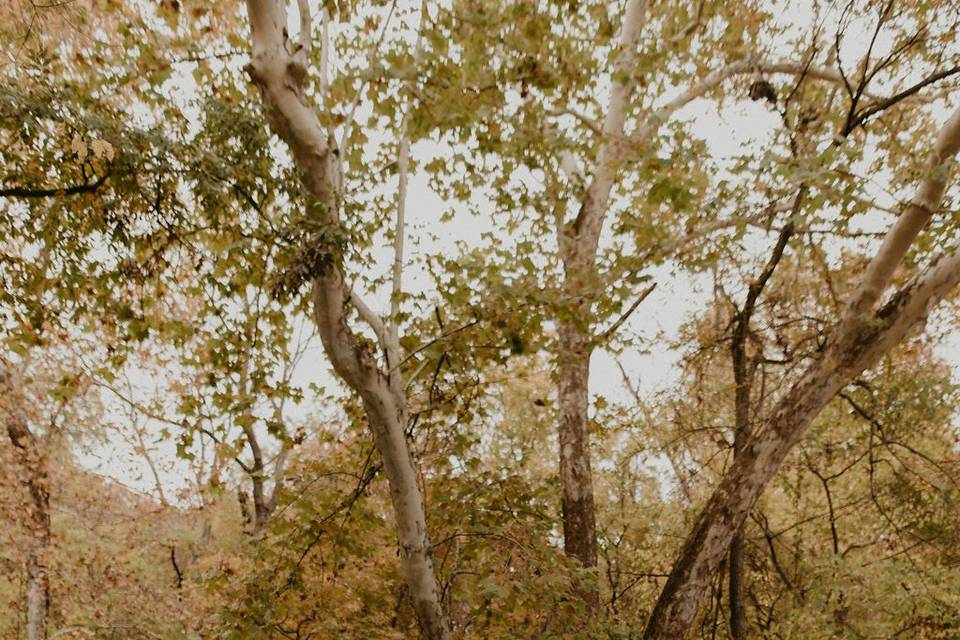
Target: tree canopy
{"type": "Point", "coordinates": [479, 319]}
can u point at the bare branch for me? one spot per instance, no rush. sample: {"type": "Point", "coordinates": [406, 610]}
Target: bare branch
{"type": "Point", "coordinates": [606, 335]}
{"type": "Point", "coordinates": [690, 27]}
{"type": "Point", "coordinates": [587, 121]}
{"type": "Point", "coordinates": [715, 78]}
{"type": "Point", "coordinates": [25, 192]}
{"type": "Point", "coordinates": [900, 96]}
{"type": "Point", "coordinates": [369, 316]}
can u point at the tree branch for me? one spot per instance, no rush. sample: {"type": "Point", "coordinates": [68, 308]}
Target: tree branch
{"type": "Point", "coordinates": [306, 27]}
{"type": "Point", "coordinates": [587, 121]}
{"type": "Point", "coordinates": [25, 192]}
{"type": "Point", "coordinates": [606, 335]}
{"type": "Point", "coordinates": [908, 225]}
{"type": "Point", "coordinates": [886, 103]}
{"type": "Point", "coordinates": [589, 219]}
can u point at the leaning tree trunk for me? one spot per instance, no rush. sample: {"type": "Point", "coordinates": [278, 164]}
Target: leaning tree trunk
{"type": "Point", "coordinates": [861, 338]}
{"type": "Point", "coordinates": [280, 76]}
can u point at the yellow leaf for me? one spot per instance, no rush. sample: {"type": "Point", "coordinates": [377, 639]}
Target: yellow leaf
{"type": "Point", "coordinates": [79, 147]}
{"type": "Point", "coordinates": [102, 149]}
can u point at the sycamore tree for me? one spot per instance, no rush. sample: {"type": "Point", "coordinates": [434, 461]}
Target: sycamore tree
{"type": "Point", "coordinates": [586, 125]}
{"type": "Point", "coordinates": [203, 186]}
{"type": "Point", "coordinates": [183, 230]}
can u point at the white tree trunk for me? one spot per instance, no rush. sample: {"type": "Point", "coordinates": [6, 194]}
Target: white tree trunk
{"type": "Point", "coordinates": [280, 74]}
{"type": "Point", "coordinates": [578, 246]}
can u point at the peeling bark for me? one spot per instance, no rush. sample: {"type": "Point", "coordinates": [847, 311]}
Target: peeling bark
{"type": "Point", "coordinates": [579, 521]}
{"type": "Point", "coordinates": [279, 74]}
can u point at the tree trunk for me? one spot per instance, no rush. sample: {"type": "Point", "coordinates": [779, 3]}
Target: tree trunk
{"type": "Point", "coordinates": [385, 407]}
{"type": "Point", "coordinates": [737, 571]}
{"type": "Point", "coordinates": [858, 341]}
{"type": "Point", "coordinates": [742, 376]}
{"type": "Point", "coordinates": [33, 463]}
{"type": "Point", "coordinates": [578, 242]}
{"type": "Point", "coordinates": [387, 422]}
{"type": "Point", "coordinates": [744, 370]}
{"type": "Point", "coordinates": [38, 578]}
{"type": "Point", "coordinates": [737, 588]}
{"type": "Point", "coordinates": [579, 519]}
{"type": "Point", "coordinates": [728, 507]}
{"type": "Point", "coordinates": [279, 74]}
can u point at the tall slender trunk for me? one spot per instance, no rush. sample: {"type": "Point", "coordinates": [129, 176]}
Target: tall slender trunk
{"type": "Point", "coordinates": [737, 588]}
{"type": "Point", "coordinates": [579, 242]}
{"type": "Point", "coordinates": [38, 572]}
{"type": "Point", "coordinates": [573, 350]}
{"type": "Point", "coordinates": [743, 374]}
{"type": "Point", "coordinates": [742, 377]}
{"type": "Point", "coordinates": [579, 518]}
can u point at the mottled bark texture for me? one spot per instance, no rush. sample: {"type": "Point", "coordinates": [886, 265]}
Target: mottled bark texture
{"type": "Point", "coordinates": [860, 339]}
{"type": "Point", "coordinates": [279, 74]}
{"type": "Point", "coordinates": [579, 522]}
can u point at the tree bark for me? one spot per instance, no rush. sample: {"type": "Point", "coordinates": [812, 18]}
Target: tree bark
{"type": "Point", "coordinates": [33, 463]}
{"type": "Point", "coordinates": [279, 74]}
{"type": "Point", "coordinates": [736, 566]}
{"type": "Point", "coordinates": [38, 585]}
{"type": "Point", "coordinates": [38, 572]}
{"type": "Point", "coordinates": [578, 246]}
{"type": "Point", "coordinates": [579, 520]}
{"type": "Point", "coordinates": [860, 339]}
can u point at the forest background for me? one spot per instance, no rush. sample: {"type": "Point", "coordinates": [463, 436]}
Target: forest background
{"type": "Point", "coordinates": [479, 319]}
